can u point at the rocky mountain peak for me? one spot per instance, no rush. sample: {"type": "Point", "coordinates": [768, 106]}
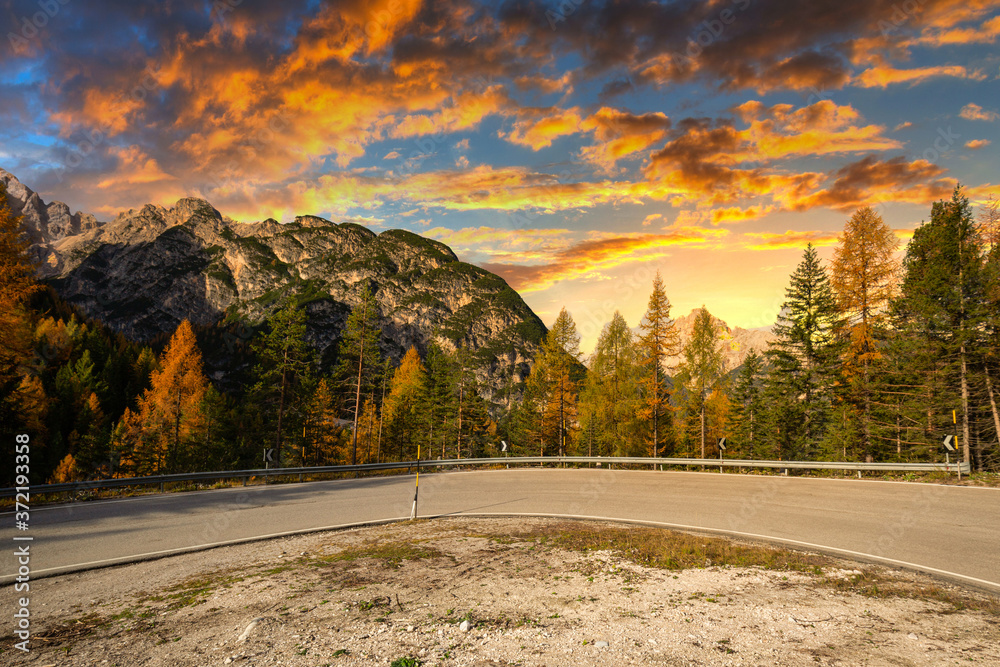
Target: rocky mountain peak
{"type": "Point", "coordinates": [152, 267]}
{"type": "Point", "coordinates": [44, 223]}
{"type": "Point", "coordinates": [736, 342]}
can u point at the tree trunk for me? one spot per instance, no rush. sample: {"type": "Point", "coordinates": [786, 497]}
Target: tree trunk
{"type": "Point", "coordinates": [965, 408]}
{"type": "Point", "coordinates": [357, 393]}
{"type": "Point", "coordinates": [281, 407]}
{"type": "Point", "coordinates": [702, 427]}
{"type": "Point", "coordinates": [656, 408]}
{"type": "Point", "coordinates": [993, 403]}
{"type": "Point", "coordinates": [461, 398]}
{"type": "Point", "coordinates": [381, 415]}
{"type": "Point", "coordinates": [172, 462]}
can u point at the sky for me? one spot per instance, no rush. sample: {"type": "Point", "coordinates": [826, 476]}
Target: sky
{"type": "Point", "coordinates": [575, 148]}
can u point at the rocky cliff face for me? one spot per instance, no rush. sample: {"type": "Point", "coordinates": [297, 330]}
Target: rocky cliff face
{"type": "Point", "coordinates": [148, 269]}
{"type": "Point", "coordinates": [46, 224]}
{"type": "Point", "coordinates": [736, 343]}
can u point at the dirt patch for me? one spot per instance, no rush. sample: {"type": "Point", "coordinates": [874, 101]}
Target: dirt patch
{"type": "Point", "coordinates": [500, 592]}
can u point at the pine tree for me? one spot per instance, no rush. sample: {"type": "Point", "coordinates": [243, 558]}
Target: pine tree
{"type": "Point", "coordinates": [554, 381]}
{"type": "Point", "coordinates": [659, 341]}
{"type": "Point", "coordinates": [611, 399]}
{"type": "Point", "coordinates": [747, 405]}
{"type": "Point", "coordinates": [702, 368]}
{"type": "Point", "coordinates": [325, 437]}
{"type": "Point", "coordinates": [803, 359]}
{"type": "Point", "coordinates": [170, 410]}
{"type": "Point", "coordinates": [989, 231]}
{"type": "Point", "coordinates": [360, 358]}
{"type": "Point", "coordinates": [941, 310]}
{"type": "Point", "coordinates": [285, 363]}
{"type": "Point", "coordinates": [863, 275]}
{"type": "Point", "coordinates": [440, 404]}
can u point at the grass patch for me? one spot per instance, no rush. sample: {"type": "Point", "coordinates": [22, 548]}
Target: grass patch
{"type": "Point", "coordinates": [874, 583]}
{"type": "Point", "coordinates": [665, 549]}
{"type": "Point", "coordinates": [392, 554]}
{"type": "Point", "coordinates": [194, 591]}
{"type": "Point", "coordinates": [653, 547]}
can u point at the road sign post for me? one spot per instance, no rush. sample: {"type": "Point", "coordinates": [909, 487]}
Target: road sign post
{"type": "Point", "coordinates": [722, 448]}
{"type": "Point", "coordinates": [950, 445]}
{"type": "Point", "coordinates": [268, 460]}
{"type": "Point", "coordinates": [954, 421]}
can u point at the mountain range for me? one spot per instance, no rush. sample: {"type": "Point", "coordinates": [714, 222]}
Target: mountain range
{"type": "Point", "coordinates": [150, 268]}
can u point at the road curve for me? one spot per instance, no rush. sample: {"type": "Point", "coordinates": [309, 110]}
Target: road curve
{"type": "Point", "coordinates": [953, 532]}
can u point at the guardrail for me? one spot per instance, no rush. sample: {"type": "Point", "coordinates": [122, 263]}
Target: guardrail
{"type": "Point", "coordinates": [245, 475]}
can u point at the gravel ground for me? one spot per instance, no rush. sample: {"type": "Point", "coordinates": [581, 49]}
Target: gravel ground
{"type": "Point", "coordinates": [376, 595]}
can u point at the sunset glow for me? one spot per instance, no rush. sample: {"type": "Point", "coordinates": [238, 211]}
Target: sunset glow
{"type": "Point", "coordinates": [573, 148]}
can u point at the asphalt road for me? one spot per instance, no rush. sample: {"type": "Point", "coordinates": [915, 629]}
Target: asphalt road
{"type": "Point", "coordinates": [950, 531]}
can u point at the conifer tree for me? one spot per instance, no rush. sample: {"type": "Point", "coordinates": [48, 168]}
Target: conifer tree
{"type": "Point", "coordinates": [803, 359]}
{"type": "Point", "coordinates": [439, 398]}
{"type": "Point", "coordinates": [403, 405]}
{"type": "Point", "coordinates": [17, 283]}
{"type": "Point", "coordinates": [360, 358]}
{"type": "Point", "coordinates": [941, 308]}
{"type": "Point", "coordinates": [554, 381]}
{"type": "Point", "coordinates": [170, 410]}
{"type": "Point", "coordinates": [702, 368]}
{"type": "Point", "coordinates": [325, 436]}
{"type": "Point", "coordinates": [747, 405]}
{"type": "Point", "coordinates": [989, 231]}
{"type": "Point", "coordinates": [611, 399]}
{"type": "Point", "coordinates": [285, 363]}
{"type": "Point", "coordinates": [863, 275]}
{"type": "Point", "coordinates": [659, 341]}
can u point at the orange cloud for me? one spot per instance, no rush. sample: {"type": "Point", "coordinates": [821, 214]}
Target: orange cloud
{"type": "Point", "coordinates": [884, 76]}
{"type": "Point", "coordinates": [976, 144]}
{"type": "Point", "coordinates": [789, 239]}
{"type": "Point", "coordinates": [819, 129]}
{"type": "Point", "coordinates": [585, 258]}
{"type": "Point", "coordinates": [528, 243]}
{"type": "Point", "coordinates": [736, 214]}
{"type": "Point", "coordinates": [621, 134]}
{"type": "Point", "coordinates": [985, 33]}
{"type": "Point", "coordinates": [135, 167]}
{"type": "Point", "coordinates": [467, 110]}
{"type": "Point", "coordinates": [870, 179]}
{"type": "Point", "coordinates": [511, 189]}
{"type": "Point", "coordinates": [975, 112]}
{"type": "Point", "coordinates": [538, 133]}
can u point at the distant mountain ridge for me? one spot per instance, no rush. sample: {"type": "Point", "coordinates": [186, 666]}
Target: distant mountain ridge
{"type": "Point", "coordinates": [736, 342]}
{"type": "Point", "coordinates": [149, 268]}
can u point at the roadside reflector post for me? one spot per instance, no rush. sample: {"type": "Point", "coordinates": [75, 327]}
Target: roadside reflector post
{"type": "Point", "coordinates": [722, 448]}
{"type": "Point", "coordinates": [416, 487]}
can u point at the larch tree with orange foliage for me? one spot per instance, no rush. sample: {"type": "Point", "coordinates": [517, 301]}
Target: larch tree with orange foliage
{"type": "Point", "coordinates": [658, 341]}
{"type": "Point", "coordinates": [404, 406]}
{"type": "Point", "coordinates": [17, 283]}
{"type": "Point", "coordinates": [170, 411]}
{"type": "Point", "coordinates": [864, 275]}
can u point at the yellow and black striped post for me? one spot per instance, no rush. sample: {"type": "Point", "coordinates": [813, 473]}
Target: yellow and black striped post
{"type": "Point", "coordinates": [416, 488]}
